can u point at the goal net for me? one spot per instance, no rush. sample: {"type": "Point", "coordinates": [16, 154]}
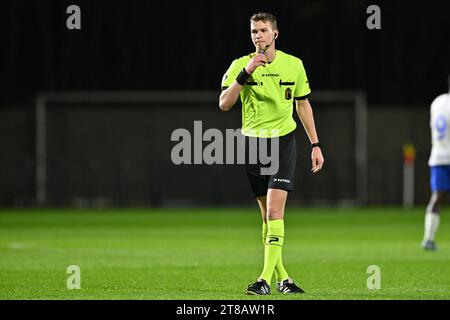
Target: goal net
{"type": "Point", "coordinates": [113, 148]}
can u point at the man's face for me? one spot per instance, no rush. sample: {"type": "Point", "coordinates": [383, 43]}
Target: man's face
{"type": "Point", "coordinates": [262, 34]}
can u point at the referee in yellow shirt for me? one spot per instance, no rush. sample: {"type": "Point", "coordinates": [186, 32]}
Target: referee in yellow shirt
{"type": "Point", "coordinates": [268, 81]}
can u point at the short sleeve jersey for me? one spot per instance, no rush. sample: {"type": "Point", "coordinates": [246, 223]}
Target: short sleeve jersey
{"type": "Point", "coordinates": [267, 97]}
{"type": "Point", "coordinates": [440, 131]}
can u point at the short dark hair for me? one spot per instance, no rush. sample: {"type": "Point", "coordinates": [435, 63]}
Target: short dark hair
{"type": "Point", "coordinates": [264, 16]}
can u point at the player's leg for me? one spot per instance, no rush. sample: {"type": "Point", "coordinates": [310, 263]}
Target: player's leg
{"type": "Point", "coordinates": [432, 220]}
{"type": "Point", "coordinates": [279, 185]}
{"type": "Point", "coordinates": [263, 208]}
{"type": "Point", "coordinates": [280, 271]}
{"type": "Point", "coordinates": [258, 184]}
{"type": "Point", "coordinates": [275, 188]}
{"type": "Point", "coordinates": [276, 201]}
{"type": "Point", "coordinates": [440, 184]}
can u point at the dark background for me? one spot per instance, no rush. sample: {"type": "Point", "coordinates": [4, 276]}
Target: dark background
{"type": "Point", "coordinates": [189, 44]}
{"type": "Point", "coordinates": [176, 45]}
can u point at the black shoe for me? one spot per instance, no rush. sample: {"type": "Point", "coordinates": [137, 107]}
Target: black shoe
{"type": "Point", "coordinates": [288, 286]}
{"type": "Point", "coordinates": [260, 287]}
{"type": "Point", "coordinates": [429, 245]}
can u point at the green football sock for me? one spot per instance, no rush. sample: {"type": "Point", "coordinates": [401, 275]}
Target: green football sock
{"type": "Point", "coordinates": [279, 268]}
{"type": "Point", "coordinates": [264, 232]}
{"type": "Point", "coordinates": [272, 247]}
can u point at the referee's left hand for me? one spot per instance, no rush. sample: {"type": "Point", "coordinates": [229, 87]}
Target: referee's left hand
{"type": "Point", "coordinates": [317, 159]}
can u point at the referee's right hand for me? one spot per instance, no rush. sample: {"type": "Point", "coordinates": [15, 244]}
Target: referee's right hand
{"type": "Point", "coordinates": [259, 59]}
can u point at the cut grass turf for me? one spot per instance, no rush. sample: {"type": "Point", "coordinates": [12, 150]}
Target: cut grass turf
{"type": "Point", "coordinates": [215, 253]}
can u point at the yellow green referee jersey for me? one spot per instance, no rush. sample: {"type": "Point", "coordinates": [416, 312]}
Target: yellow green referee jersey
{"type": "Point", "coordinates": [267, 97]}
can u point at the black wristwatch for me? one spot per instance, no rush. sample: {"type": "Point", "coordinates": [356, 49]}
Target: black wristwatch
{"type": "Point", "coordinates": [313, 145]}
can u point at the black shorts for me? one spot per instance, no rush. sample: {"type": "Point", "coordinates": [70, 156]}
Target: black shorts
{"type": "Point", "coordinates": [284, 178]}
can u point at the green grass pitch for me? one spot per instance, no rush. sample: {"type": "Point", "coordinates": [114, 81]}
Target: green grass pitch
{"type": "Point", "coordinates": [199, 254]}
